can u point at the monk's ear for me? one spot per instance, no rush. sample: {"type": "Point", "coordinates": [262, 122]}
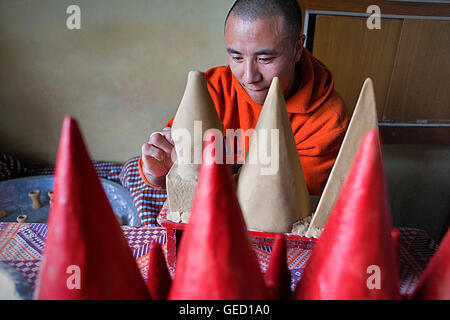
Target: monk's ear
{"type": "Point", "coordinates": [299, 47]}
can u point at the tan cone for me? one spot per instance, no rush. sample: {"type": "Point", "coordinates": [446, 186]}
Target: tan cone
{"type": "Point", "coordinates": [364, 118]}
{"type": "Point", "coordinates": [196, 105]}
{"type": "Point", "coordinates": [273, 202]}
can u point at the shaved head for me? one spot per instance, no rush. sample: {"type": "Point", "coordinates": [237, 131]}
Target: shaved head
{"type": "Point", "coordinates": [289, 10]}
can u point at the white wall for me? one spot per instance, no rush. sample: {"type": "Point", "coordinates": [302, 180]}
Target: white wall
{"type": "Point", "coordinates": [121, 76]}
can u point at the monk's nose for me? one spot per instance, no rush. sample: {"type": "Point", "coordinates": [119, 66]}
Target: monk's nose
{"type": "Point", "coordinates": [252, 73]}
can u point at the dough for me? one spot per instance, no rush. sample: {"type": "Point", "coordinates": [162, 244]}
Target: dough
{"type": "Point", "coordinates": [35, 197]}
{"type": "Point", "coordinates": [22, 218]}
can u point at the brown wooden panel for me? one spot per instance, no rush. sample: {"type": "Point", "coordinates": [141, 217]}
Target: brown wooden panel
{"type": "Point", "coordinates": [420, 86]}
{"type": "Point", "coordinates": [353, 52]}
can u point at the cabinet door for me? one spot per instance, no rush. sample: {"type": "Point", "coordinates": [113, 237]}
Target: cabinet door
{"type": "Point", "coordinates": [420, 84]}
{"type": "Point", "coordinates": [354, 52]}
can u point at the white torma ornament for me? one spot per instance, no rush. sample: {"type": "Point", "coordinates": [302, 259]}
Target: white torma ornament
{"type": "Point", "coordinates": [364, 118]}
{"type": "Point", "coordinates": [271, 187]}
{"type": "Point", "coordinates": [195, 115]}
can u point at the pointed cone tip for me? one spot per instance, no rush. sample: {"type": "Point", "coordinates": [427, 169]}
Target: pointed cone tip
{"type": "Point", "coordinates": [196, 104]}
{"type": "Point", "coordinates": [367, 87]}
{"type": "Point", "coordinates": [276, 81]}
{"type": "Point", "coordinates": [368, 93]}
{"type": "Point", "coordinates": [368, 82]}
{"type": "Point", "coordinates": [69, 124]}
{"type": "Point", "coordinates": [68, 119]}
{"type": "Point", "coordinates": [155, 249]}
{"type": "Point", "coordinates": [70, 132]}
{"type": "Point", "coordinates": [195, 74]}
{"type": "Point", "coordinates": [279, 237]}
{"type": "Point", "coordinates": [275, 86]}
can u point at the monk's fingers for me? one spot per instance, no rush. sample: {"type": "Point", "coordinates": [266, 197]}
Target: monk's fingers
{"type": "Point", "coordinates": [151, 152]}
{"type": "Point", "coordinates": [159, 140]}
{"type": "Point", "coordinates": [167, 133]}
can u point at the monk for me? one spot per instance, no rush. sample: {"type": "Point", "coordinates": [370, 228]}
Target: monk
{"type": "Point", "coordinates": [263, 40]}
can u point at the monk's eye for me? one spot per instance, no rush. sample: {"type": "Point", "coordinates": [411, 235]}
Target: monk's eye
{"type": "Point", "coordinates": [266, 59]}
{"type": "Point", "coordinates": [237, 58]}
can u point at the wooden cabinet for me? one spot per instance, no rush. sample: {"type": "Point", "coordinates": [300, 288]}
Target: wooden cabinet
{"type": "Point", "coordinates": [353, 53]}
{"type": "Point", "coordinates": [419, 89]}
{"type": "Point", "coordinates": [408, 59]}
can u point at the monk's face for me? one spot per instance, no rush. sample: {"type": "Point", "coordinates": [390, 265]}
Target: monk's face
{"type": "Point", "coordinates": [260, 50]}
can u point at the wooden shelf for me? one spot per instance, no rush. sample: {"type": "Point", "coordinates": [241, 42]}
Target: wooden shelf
{"type": "Point", "coordinates": [438, 135]}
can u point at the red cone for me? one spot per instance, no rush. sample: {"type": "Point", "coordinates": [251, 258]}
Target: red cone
{"type": "Point", "coordinates": [434, 284]}
{"type": "Point", "coordinates": [278, 276]}
{"type": "Point", "coordinates": [158, 279]}
{"type": "Point", "coordinates": [354, 257]}
{"type": "Point", "coordinates": [86, 255]}
{"type": "Point", "coordinates": [215, 258]}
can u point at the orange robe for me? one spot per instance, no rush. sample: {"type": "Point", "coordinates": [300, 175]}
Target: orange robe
{"type": "Point", "coordinates": [318, 115]}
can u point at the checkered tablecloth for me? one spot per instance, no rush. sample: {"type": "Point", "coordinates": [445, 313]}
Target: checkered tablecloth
{"type": "Point", "coordinates": [21, 246]}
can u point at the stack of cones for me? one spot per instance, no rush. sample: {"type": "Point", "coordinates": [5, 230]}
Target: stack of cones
{"type": "Point", "coordinates": [87, 257]}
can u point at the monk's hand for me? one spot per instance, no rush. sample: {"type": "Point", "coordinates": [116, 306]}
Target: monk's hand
{"type": "Point", "coordinates": [158, 156]}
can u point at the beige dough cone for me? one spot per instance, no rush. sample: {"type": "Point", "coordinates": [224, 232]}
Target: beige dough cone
{"type": "Point", "coordinates": [273, 202]}
{"type": "Point", "coordinates": [364, 118]}
{"type": "Point", "coordinates": [195, 115]}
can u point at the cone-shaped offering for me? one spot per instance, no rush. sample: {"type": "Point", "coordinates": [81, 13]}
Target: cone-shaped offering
{"type": "Point", "coordinates": [194, 116]}
{"type": "Point", "coordinates": [215, 258]}
{"type": "Point", "coordinates": [278, 276]}
{"type": "Point", "coordinates": [271, 188]}
{"type": "Point", "coordinates": [434, 284]}
{"type": "Point", "coordinates": [354, 257]}
{"type": "Point", "coordinates": [158, 277]}
{"type": "Point", "coordinates": [364, 118]}
{"type": "Point", "coordinates": [86, 255]}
